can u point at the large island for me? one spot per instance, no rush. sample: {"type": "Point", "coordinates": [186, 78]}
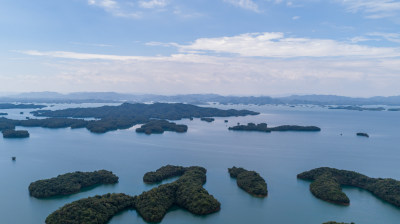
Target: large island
{"type": "Point", "coordinates": [327, 185]}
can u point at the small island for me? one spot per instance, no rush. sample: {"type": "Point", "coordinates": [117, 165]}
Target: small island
{"type": "Point", "coordinates": [3, 114]}
{"type": "Point", "coordinates": [263, 127]}
{"type": "Point", "coordinates": [394, 109]}
{"type": "Point", "coordinates": [187, 192]}
{"type": "Point", "coordinates": [207, 119]}
{"type": "Point", "coordinates": [363, 134]}
{"type": "Point", "coordinates": [70, 183]}
{"type": "Point", "coordinates": [159, 126]}
{"type": "Point", "coordinates": [357, 108]}
{"type": "Point", "coordinates": [249, 181]}
{"type": "Point", "coordinates": [92, 210]}
{"type": "Point", "coordinates": [9, 133]}
{"type": "Point", "coordinates": [327, 185]}
{"type": "Point", "coordinates": [332, 222]}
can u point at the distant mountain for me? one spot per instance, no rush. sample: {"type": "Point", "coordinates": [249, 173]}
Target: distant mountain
{"type": "Point", "coordinates": [197, 99]}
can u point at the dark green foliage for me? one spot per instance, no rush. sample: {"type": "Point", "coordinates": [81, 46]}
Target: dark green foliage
{"type": "Point", "coordinates": [70, 183]}
{"type": "Point", "coordinates": [163, 173]}
{"type": "Point", "coordinates": [92, 210]}
{"type": "Point", "coordinates": [159, 126]}
{"type": "Point", "coordinates": [387, 189]}
{"type": "Point", "coordinates": [263, 128]}
{"type": "Point", "coordinates": [15, 134]}
{"type": "Point", "coordinates": [249, 181]}
{"type": "Point", "coordinates": [20, 106]}
{"type": "Point", "coordinates": [327, 188]}
{"type": "Point", "coordinates": [207, 119]}
{"type": "Point", "coordinates": [363, 134]}
{"type": "Point", "coordinates": [187, 192]}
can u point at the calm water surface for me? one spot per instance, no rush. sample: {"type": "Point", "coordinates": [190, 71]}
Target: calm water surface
{"type": "Point", "coordinates": [278, 157]}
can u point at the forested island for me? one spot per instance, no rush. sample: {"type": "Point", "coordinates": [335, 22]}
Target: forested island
{"type": "Point", "coordinates": [159, 126]}
{"type": "Point", "coordinates": [327, 185]}
{"type": "Point", "coordinates": [187, 192]}
{"type": "Point", "coordinates": [357, 108]}
{"type": "Point", "coordinates": [3, 114]}
{"type": "Point", "coordinates": [332, 222]}
{"type": "Point", "coordinates": [92, 210]}
{"type": "Point", "coordinates": [263, 127]}
{"type": "Point", "coordinates": [207, 119]}
{"type": "Point", "coordinates": [363, 134]}
{"type": "Point", "coordinates": [70, 183]}
{"type": "Point", "coordinates": [249, 181]}
{"type": "Point", "coordinates": [20, 106]}
{"type": "Point", "coordinates": [10, 133]}
{"type": "Point", "coordinates": [118, 117]}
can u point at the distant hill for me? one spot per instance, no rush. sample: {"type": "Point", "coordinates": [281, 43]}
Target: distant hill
{"type": "Point", "coordinates": [110, 97]}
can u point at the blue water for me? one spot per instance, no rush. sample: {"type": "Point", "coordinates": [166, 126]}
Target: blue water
{"type": "Point", "coordinates": [278, 157]}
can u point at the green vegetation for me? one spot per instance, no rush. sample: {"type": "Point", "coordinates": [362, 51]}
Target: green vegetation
{"type": "Point", "coordinates": [70, 183]}
{"type": "Point", "coordinates": [163, 173]}
{"type": "Point", "coordinates": [207, 119]}
{"type": "Point", "coordinates": [15, 134]}
{"type": "Point", "coordinates": [92, 210]}
{"type": "Point", "coordinates": [20, 106]}
{"type": "Point", "coordinates": [363, 134]}
{"type": "Point", "coordinates": [187, 192]}
{"type": "Point", "coordinates": [264, 128]}
{"type": "Point", "coordinates": [159, 126]}
{"type": "Point", "coordinates": [249, 181]}
{"type": "Point", "coordinates": [329, 180]}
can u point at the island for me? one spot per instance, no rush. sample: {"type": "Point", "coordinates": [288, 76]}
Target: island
{"type": "Point", "coordinates": [187, 192]}
{"type": "Point", "coordinates": [70, 183]}
{"type": "Point", "coordinates": [357, 108]}
{"type": "Point", "coordinates": [249, 181]}
{"type": "Point", "coordinates": [332, 222]}
{"type": "Point", "coordinates": [92, 210]}
{"type": "Point", "coordinates": [263, 127]}
{"type": "Point", "coordinates": [109, 118]}
{"type": "Point", "coordinates": [363, 134]}
{"type": "Point", "coordinates": [327, 185]}
{"type": "Point", "coordinates": [10, 133]}
{"type": "Point", "coordinates": [159, 126]}
{"type": "Point", "coordinates": [20, 106]}
{"type": "Point", "coordinates": [207, 119]}
{"type": "Point", "coordinates": [394, 109]}
{"type": "Point", "coordinates": [3, 114]}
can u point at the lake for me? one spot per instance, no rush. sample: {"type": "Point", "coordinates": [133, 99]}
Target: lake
{"type": "Point", "coordinates": [277, 156]}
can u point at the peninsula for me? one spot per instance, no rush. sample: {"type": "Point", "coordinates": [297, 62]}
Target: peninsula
{"type": "Point", "coordinates": [70, 183]}
{"type": "Point", "coordinates": [249, 181]}
{"type": "Point", "coordinates": [327, 185]}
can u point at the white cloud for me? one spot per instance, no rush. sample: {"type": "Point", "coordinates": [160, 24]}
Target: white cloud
{"type": "Point", "coordinates": [114, 8]}
{"type": "Point", "coordinates": [393, 37]}
{"type": "Point", "coordinates": [245, 4]}
{"type": "Point", "coordinates": [153, 4]}
{"type": "Point", "coordinates": [295, 17]}
{"type": "Point", "coordinates": [279, 46]}
{"type": "Point", "coordinates": [374, 9]}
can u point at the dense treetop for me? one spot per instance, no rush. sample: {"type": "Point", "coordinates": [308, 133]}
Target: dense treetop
{"type": "Point", "coordinates": [163, 173]}
{"type": "Point", "coordinates": [70, 183]}
{"type": "Point", "coordinates": [249, 181]}
{"type": "Point", "coordinates": [329, 181]}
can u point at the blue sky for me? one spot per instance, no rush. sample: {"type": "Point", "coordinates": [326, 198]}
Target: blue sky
{"type": "Point", "coordinates": [230, 47]}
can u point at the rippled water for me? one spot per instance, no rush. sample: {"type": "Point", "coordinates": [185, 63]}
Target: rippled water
{"type": "Point", "coordinates": [278, 157]}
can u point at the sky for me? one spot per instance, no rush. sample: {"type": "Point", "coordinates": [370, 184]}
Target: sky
{"type": "Point", "coordinates": [228, 47]}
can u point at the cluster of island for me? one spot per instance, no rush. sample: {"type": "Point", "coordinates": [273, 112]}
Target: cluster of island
{"type": "Point", "coordinates": [188, 193]}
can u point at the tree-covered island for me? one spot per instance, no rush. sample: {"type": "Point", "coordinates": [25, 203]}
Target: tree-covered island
{"type": "Point", "coordinates": [3, 114]}
{"type": "Point", "coordinates": [362, 134]}
{"type": "Point", "coordinates": [10, 133]}
{"type": "Point", "coordinates": [109, 118]}
{"type": "Point", "coordinates": [332, 222]}
{"type": "Point", "coordinates": [263, 127]}
{"type": "Point", "coordinates": [249, 181]}
{"type": "Point", "coordinates": [20, 106]}
{"type": "Point", "coordinates": [159, 126]}
{"type": "Point", "coordinates": [207, 119]}
{"type": "Point", "coordinates": [70, 183]}
{"type": "Point", "coordinates": [327, 185]}
{"type": "Point", "coordinates": [187, 192]}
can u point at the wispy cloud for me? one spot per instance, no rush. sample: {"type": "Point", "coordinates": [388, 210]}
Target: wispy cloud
{"type": "Point", "coordinates": [114, 8]}
{"type": "Point", "coordinates": [278, 46]}
{"type": "Point", "coordinates": [245, 4]}
{"type": "Point", "coordinates": [153, 4]}
{"type": "Point", "coordinates": [374, 9]}
{"type": "Point", "coordinates": [393, 37]}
